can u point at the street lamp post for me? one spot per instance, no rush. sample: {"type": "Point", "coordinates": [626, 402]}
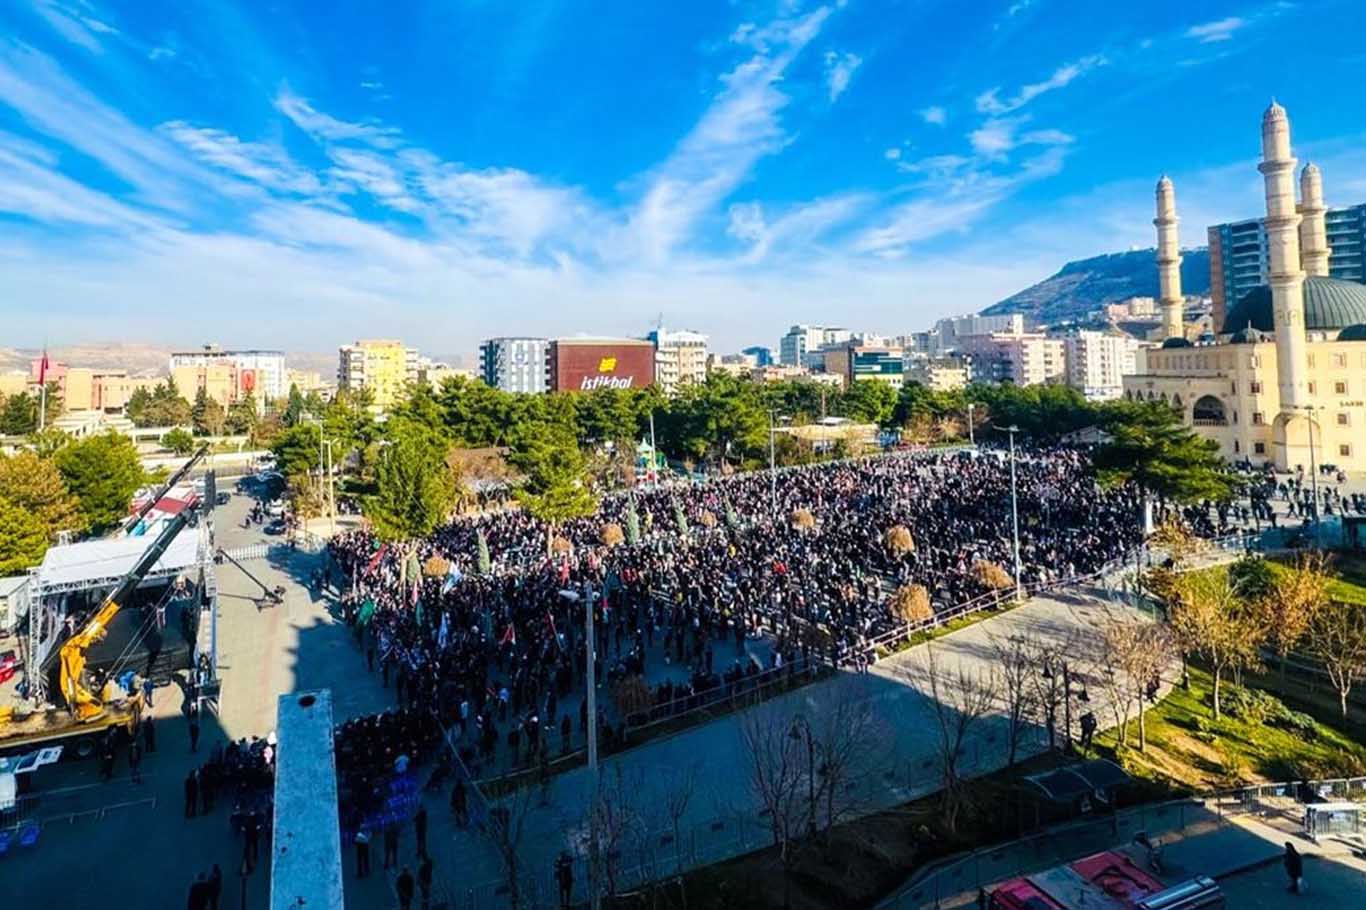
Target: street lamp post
{"type": "Point", "coordinates": [654, 454]}
{"type": "Point", "coordinates": [772, 463]}
{"type": "Point", "coordinates": [595, 901]}
{"type": "Point", "coordinates": [1015, 513]}
{"type": "Point", "coordinates": [1313, 470]}
{"type": "Point", "coordinates": [972, 440]}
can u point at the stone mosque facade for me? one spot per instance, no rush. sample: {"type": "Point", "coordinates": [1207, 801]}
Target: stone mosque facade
{"type": "Point", "coordinates": [1284, 381]}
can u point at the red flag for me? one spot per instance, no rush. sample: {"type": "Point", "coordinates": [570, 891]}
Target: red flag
{"type": "Point", "coordinates": [375, 560]}
{"type": "Point", "coordinates": [42, 369]}
{"type": "Point", "coordinates": [510, 636]}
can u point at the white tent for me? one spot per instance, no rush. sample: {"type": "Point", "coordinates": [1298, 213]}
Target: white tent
{"type": "Point", "coordinates": [99, 563]}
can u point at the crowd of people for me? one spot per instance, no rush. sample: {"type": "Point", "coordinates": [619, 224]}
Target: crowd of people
{"type": "Point", "coordinates": [481, 623]}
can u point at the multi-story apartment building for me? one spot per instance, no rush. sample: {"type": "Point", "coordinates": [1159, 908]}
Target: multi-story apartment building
{"type": "Point", "coordinates": [939, 374]}
{"type": "Point", "coordinates": [1097, 363]}
{"type": "Point", "coordinates": [854, 362]}
{"type": "Point", "coordinates": [514, 364]}
{"type": "Point", "coordinates": [762, 356]}
{"type": "Point", "coordinates": [253, 372]}
{"type": "Point", "coordinates": [1239, 258]}
{"type": "Point", "coordinates": [1025, 359]}
{"type": "Point", "coordinates": [802, 345]}
{"type": "Point", "coordinates": [382, 366]}
{"type": "Point", "coordinates": [680, 358]}
{"type": "Point", "coordinates": [950, 334]}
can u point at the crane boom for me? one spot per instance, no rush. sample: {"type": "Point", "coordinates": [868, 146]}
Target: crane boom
{"type": "Point", "coordinates": [84, 704]}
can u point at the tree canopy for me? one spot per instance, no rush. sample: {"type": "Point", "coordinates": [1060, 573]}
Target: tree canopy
{"type": "Point", "coordinates": [23, 538]}
{"type": "Point", "coordinates": [415, 487]}
{"type": "Point", "coordinates": [1151, 449]}
{"type": "Point", "coordinates": [103, 472]}
{"type": "Point", "coordinates": [34, 484]}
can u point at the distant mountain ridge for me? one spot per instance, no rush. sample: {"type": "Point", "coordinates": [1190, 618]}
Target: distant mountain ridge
{"type": "Point", "coordinates": [1085, 285]}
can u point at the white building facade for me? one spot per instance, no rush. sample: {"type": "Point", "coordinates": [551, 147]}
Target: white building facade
{"type": "Point", "coordinates": [1097, 363]}
{"type": "Point", "coordinates": [680, 358]}
{"type": "Point", "coordinates": [514, 364]}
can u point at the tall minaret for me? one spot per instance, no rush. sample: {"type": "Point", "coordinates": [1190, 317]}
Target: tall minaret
{"type": "Point", "coordinates": [1283, 242]}
{"type": "Point", "coordinates": [1168, 261]}
{"type": "Point", "coordinates": [1314, 251]}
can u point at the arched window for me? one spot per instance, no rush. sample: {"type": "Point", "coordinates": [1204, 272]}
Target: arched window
{"type": "Point", "coordinates": [1209, 412]}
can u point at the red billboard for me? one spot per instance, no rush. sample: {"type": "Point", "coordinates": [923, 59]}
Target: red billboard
{"type": "Point", "coordinates": [582, 366]}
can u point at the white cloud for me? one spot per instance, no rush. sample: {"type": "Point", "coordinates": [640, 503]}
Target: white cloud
{"type": "Point", "coordinates": [78, 27]}
{"type": "Point", "coordinates": [839, 69]}
{"type": "Point", "coordinates": [935, 115]}
{"type": "Point", "coordinates": [1220, 30]}
{"type": "Point", "coordinates": [323, 126]}
{"type": "Point", "coordinates": [267, 165]}
{"type": "Point", "coordinates": [990, 102]}
{"type": "Point", "coordinates": [892, 154]}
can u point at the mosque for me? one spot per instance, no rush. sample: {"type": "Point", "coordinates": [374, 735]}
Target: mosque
{"type": "Point", "coordinates": [1284, 381]}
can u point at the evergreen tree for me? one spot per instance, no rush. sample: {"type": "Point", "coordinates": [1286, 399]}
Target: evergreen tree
{"type": "Point", "coordinates": [242, 416]}
{"type": "Point", "coordinates": [20, 415]}
{"type": "Point", "coordinates": [556, 488]}
{"type": "Point", "coordinates": [103, 472]}
{"type": "Point", "coordinates": [23, 538]}
{"type": "Point", "coordinates": [415, 487]}
{"type": "Point", "coordinates": [294, 407]}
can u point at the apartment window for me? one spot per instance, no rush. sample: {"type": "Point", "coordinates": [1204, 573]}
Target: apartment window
{"type": "Point", "coordinates": [1313, 388]}
{"type": "Point", "coordinates": [1256, 387]}
{"type": "Point", "coordinates": [1339, 388]}
{"type": "Point", "coordinates": [1257, 418]}
{"type": "Point", "coordinates": [1311, 360]}
{"type": "Point", "coordinates": [1339, 360]}
{"type": "Point", "coordinates": [1236, 448]}
{"type": "Point", "coordinates": [1233, 387]}
{"type": "Point", "coordinates": [1345, 451]}
{"type": "Point", "coordinates": [1343, 420]}
{"type": "Point", "coordinates": [1259, 448]}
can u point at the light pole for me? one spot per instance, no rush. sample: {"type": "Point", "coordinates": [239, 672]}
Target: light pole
{"type": "Point", "coordinates": [1313, 469]}
{"type": "Point", "coordinates": [972, 439]}
{"type": "Point", "coordinates": [1015, 512]}
{"type": "Point", "coordinates": [772, 463]}
{"type": "Point", "coordinates": [654, 454]}
{"type": "Point", "coordinates": [595, 901]}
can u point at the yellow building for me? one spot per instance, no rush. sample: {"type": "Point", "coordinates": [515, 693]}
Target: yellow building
{"type": "Point", "coordinates": [218, 380]}
{"type": "Point", "coordinates": [382, 366]}
{"type": "Point", "coordinates": [13, 383]}
{"type": "Point", "coordinates": [1285, 383]}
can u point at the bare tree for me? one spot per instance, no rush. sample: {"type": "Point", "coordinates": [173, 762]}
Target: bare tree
{"type": "Point", "coordinates": [1337, 637]}
{"type": "Point", "coordinates": [960, 699]}
{"type": "Point", "coordinates": [1049, 681]}
{"type": "Point", "coordinates": [1133, 655]}
{"type": "Point", "coordinates": [777, 766]}
{"type": "Point", "coordinates": [849, 747]}
{"type": "Point", "coordinates": [504, 829]}
{"type": "Point", "coordinates": [1208, 618]}
{"type": "Point", "coordinates": [677, 798]}
{"type": "Point", "coordinates": [1294, 599]}
{"type": "Point", "coordinates": [1016, 667]}
{"type": "Point", "coordinates": [618, 822]}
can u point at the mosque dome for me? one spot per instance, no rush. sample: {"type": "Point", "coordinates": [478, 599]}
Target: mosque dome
{"type": "Point", "coordinates": [1177, 342]}
{"type": "Point", "coordinates": [1353, 333]}
{"type": "Point", "coordinates": [1329, 304]}
{"type": "Point", "coordinates": [1249, 335]}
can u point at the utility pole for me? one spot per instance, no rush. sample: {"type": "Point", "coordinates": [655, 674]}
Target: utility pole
{"type": "Point", "coordinates": [1015, 513]}
{"type": "Point", "coordinates": [595, 901]}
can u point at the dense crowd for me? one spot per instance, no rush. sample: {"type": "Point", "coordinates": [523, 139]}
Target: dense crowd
{"type": "Point", "coordinates": [492, 641]}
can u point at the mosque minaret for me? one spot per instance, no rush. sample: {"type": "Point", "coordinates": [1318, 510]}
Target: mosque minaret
{"type": "Point", "coordinates": [1168, 261]}
{"type": "Point", "coordinates": [1289, 356]}
{"type": "Point", "coordinates": [1314, 250]}
{"type": "Point", "coordinates": [1284, 275]}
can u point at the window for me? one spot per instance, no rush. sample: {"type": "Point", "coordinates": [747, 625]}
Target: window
{"type": "Point", "coordinates": [1342, 420]}
{"type": "Point", "coordinates": [1339, 360]}
{"type": "Point", "coordinates": [1256, 387]}
{"type": "Point", "coordinates": [1257, 418]}
{"type": "Point", "coordinates": [1313, 388]}
{"type": "Point", "coordinates": [1259, 448]}
{"type": "Point", "coordinates": [1236, 447]}
{"type": "Point", "coordinates": [1233, 387]}
{"type": "Point", "coordinates": [1339, 388]}
{"type": "Point", "coordinates": [1345, 451]}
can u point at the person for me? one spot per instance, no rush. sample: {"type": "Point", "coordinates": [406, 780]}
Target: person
{"type": "Point", "coordinates": [391, 846]}
{"type": "Point", "coordinates": [564, 877]}
{"type": "Point", "coordinates": [135, 760]}
{"type": "Point", "coordinates": [252, 846]}
{"type": "Point", "coordinates": [191, 793]}
{"type": "Point", "coordinates": [149, 734]}
{"type": "Point", "coordinates": [107, 757]}
{"type": "Point", "coordinates": [199, 894]}
{"type": "Point", "coordinates": [194, 728]}
{"type": "Point", "coordinates": [420, 825]}
{"type": "Point", "coordinates": [1294, 868]}
{"type": "Point", "coordinates": [459, 803]}
{"type": "Point", "coordinates": [215, 886]}
{"type": "Point", "coordinates": [362, 853]}
{"type": "Point", "coordinates": [424, 882]}
{"type": "Point", "coordinates": [147, 690]}
{"type": "Point", "coordinates": [404, 887]}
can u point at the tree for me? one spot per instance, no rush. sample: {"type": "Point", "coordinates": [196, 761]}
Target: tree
{"type": "Point", "coordinates": [296, 450]}
{"type": "Point", "coordinates": [20, 415]}
{"type": "Point", "coordinates": [1291, 601]}
{"type": "Point", "coordinates": [103, 472]}
{"type": "Point", "coordinates": [23, 538]}
{"type": "Point", "coordinates": [162, 407]}
{"type": "Point", "coordinates": [294, 407]}
{"type": "Point", "coordinates": [35, 485]}
{"type": "Point", "coordinates": [776, 764]}
{"type": "Point", "coordinates": [415, 487]}
{"type": "Point", "coordinates": [1150, 449]}
{"type": "Point", "coordinates": [960, 700]}
{"type": "Point", "coordinates": [1208, 618]}
{"type": "Point", "coordinates": [179, 441]}
{"type": "Point", "coordinates": [555, 490]}
{"type": "Point", "coordinates": [1133, 655]}
{"type": "Point", "coordinates": [138, 408]}
{"type": "Point", "coordinates": [910, 604]}
{"type": "Point", "coordinates": [1050, 681]}
{"type": "Point", "coordinates": [242, 416]}
{"type": "Point", "coordinates": [869, 401]}
{"type": "Point", "coordinates": [505, 830]}
{"type": "Point", "coordinates": [1017, 670]}
{"type": "Point", "coordinates": [1337, 637]}
{"type": "Point", "coordinates": [207, 415]}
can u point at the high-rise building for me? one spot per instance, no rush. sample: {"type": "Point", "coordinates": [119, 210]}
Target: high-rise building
{"type": "Point", "coordinates": [514, 364]}
{"type": "Point", "coordinates": [253, 372]}
{"type": "Point", "coordinates": [1025, 359]}
{"type": "Point", "coordinates": [680, 358]}
{"type": "Point", "coordinates": [383, 367]}
{"type": "Point", "coordinates": [762, 356]}
{"type": "Point", "coordinates": [1240, 261]}
{"type": "Point", "coordinates": [801, 346]}
{"type": "Point", "coordinates": [1097, 363]}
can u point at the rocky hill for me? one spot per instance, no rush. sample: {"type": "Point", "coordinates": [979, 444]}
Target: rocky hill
{"type": "Point", "coordinates": [1087, 284]}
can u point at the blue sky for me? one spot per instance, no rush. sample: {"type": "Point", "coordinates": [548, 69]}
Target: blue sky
{"type": "Point", "coordinates": [299, 174]}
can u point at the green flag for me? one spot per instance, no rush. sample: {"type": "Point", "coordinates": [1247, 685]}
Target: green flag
{"type": "Point", "coordinates": [367, 610]}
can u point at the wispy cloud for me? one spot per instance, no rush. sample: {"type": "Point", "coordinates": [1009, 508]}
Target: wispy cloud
{"type": "Point", "coordinates": [324, 126]}
{"type": "Point", "coordinates": [839, 69]}
{"type": "Point", "coordinates": [75, 22]}
{"type": "Point", "coordinates": [267, 165]}
{"type": "Point", "coordinates": [934, 114]}
{"type": "Point", "coordinates": [990, 102]}
{"type": "Point", "coordinates": [1220, 30]}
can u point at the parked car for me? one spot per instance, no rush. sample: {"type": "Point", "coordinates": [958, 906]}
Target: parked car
{"type": "Point", "coordinates": [275, 508]}
{"type": "Point", "coordinates": [276, 527]}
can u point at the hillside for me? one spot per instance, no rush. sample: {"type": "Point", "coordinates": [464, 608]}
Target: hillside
{"type": "Point", "coordinates": [1087, 284]}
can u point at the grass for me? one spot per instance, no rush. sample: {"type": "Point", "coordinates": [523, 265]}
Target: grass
{"type": "Point", "coordinates": [1187, 747]}
{"type": "Point", "coordinates": [1348, 569]}
{"type": "Point", "coordinates": [953, 625]}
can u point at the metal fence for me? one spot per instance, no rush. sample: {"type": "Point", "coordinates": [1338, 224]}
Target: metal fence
{"type": "Point", "coordinates": [251, 551]}
{"type": "Point", "coordinates": [956, 881]}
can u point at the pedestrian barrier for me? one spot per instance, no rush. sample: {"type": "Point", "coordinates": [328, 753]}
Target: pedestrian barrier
{"type": "Point", "coordinates": [251, 551]}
